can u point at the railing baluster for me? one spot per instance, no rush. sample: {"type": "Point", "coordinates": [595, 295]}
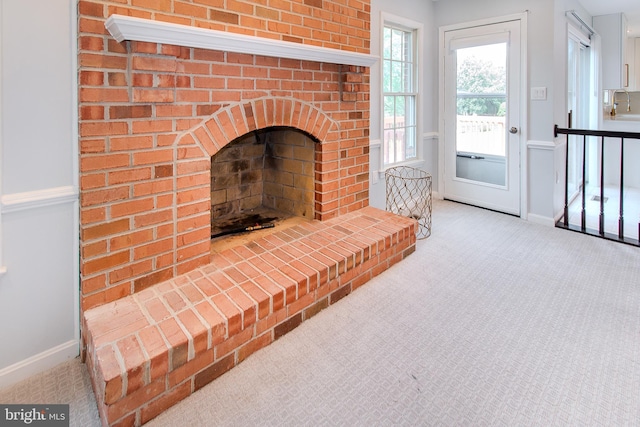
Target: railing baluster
{"type": "Point", "coordinates": [566, 185]}
{"type": "Point", "coordinates": [601, 225]}
{"type": "Point", "coordinates": [583, 214]}
{"type": "Point", "coordinates": [621, 217]}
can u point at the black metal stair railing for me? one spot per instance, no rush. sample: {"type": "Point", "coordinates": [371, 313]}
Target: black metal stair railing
{"type": "Point", "coordinates": [611, 137]}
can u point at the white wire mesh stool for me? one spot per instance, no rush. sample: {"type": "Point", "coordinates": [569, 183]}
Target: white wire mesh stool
{"type": "Point", "coordinates": [409, 194]}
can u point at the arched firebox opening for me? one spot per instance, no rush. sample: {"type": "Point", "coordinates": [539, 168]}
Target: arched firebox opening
{"type": "Point", "coordinates": [261, 180]}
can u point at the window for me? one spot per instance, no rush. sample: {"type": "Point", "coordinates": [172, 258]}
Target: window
{"type": "Point", "coordinates": [399, 93]}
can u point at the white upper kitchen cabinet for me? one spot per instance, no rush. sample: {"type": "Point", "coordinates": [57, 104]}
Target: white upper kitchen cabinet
{"type": "Point", "coordinates": [615, 68]}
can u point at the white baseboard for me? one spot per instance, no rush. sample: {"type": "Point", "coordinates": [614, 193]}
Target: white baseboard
{"type": "Point", "coordinates": [39, 363]}
{"type": "Point", "coordinates": [539, 219]}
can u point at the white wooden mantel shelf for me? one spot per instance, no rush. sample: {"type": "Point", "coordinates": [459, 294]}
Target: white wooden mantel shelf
{"type": "Point", "coordinates": [146, 30]}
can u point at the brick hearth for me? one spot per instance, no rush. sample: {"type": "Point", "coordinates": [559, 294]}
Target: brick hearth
{"type": "Point", "coordinates": [147, 351]}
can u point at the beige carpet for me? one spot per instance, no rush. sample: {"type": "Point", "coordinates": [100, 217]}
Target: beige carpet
{"type": "Point", "coordinates": [493, 321]}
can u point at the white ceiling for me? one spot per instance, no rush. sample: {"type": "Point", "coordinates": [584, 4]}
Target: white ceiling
{"type": "Point", "coordinates": [602, 7]}
{"type": "Point", "coordinates": [631, 9]}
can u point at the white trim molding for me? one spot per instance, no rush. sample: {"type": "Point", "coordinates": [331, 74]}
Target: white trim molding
{"type": "Point", "coordinates": [147, 30]}
{"type": "Point", "coordinates": [39, 363]}
{"type": "Point", "coordinates": [541, 145]}
{"type": "Point", "coordinates": [36, 199]}
{"type": "Point", "coordinates": [430, 135]}
{"type": "Point", "coordinates": [375, 145]}
{"type": "Point", "coordinates": [542, 220]}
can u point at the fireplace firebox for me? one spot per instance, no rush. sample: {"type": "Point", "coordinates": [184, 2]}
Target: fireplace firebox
{"type": "Point", "coordinates": [261, 178]}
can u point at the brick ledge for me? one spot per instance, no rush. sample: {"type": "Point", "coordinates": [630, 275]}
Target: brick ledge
{"type": "Point", "coordinates": [147, 351]}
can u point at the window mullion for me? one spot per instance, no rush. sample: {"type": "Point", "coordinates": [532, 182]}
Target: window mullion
{"type": "Point", "coordinates": [401, 93]}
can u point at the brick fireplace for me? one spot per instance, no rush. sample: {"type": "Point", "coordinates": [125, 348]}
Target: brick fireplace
{"type": "Point", "coordinates": [153, 114]}
{"type": "Point", "coordinates": [166, 88]}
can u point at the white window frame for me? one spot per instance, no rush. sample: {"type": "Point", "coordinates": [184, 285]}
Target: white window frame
{"type": "Point", "coordinates": [390, 20]}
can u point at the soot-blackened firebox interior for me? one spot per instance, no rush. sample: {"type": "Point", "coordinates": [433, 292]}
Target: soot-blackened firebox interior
{"type": "Point", "coordinates": [260, 179]}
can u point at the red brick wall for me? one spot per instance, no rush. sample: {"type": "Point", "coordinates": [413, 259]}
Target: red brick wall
{"type": "Point", "coordinates": [152, 115]}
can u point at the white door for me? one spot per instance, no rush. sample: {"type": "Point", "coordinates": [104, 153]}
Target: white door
{"type": "Point", "coordinates": [482, 116]}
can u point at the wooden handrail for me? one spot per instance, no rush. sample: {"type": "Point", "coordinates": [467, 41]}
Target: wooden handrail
{"type": "Point", "coordinates": [586, 132]}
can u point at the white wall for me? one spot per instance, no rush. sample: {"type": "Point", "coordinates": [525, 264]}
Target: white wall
{"type": "Point", "coordinates": [39, 308]}
{"type": "Point", "coordinates": [546, 62]}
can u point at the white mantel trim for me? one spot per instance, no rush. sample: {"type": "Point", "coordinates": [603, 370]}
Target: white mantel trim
{"type": "Point", "coordinates": [147, 30]}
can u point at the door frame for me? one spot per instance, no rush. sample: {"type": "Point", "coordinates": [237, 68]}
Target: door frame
{"type": "Point", "coordinates": [524, 99]}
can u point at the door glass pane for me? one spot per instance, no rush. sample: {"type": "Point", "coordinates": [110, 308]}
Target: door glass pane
{"type": "Point", "coordinates": [481, 104]}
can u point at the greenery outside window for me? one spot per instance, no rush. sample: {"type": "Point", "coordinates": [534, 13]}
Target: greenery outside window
{"type": "Point", "coordinates": [399, 92]}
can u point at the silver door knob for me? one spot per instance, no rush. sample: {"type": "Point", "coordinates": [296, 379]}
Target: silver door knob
{"type": "Point", "coordinates": [513, 129]}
